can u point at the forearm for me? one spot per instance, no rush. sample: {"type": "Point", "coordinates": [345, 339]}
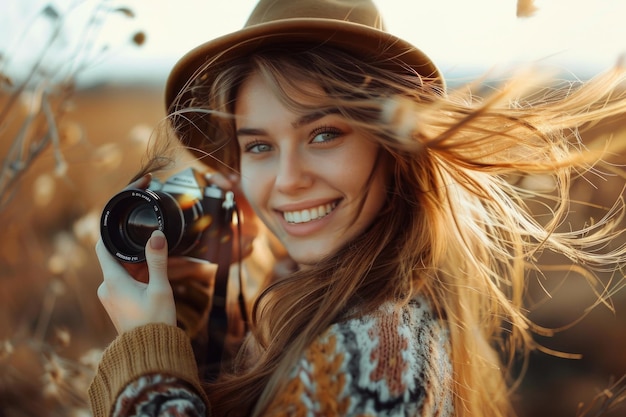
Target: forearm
{"type": "Point", "coordinates": [154, 349]}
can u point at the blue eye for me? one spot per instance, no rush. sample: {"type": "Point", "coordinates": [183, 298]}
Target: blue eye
{"type": "Point", "coordinates": [325, 134]}
{"type": "Point", "coordinates": [257, 147]}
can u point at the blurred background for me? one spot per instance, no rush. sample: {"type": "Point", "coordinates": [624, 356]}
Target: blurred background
{"type": "Point", "coordinates": [81, 86]}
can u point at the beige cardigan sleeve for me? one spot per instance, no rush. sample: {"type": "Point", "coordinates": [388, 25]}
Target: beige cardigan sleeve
{"type": "Point", "coordinates": [153, 348]}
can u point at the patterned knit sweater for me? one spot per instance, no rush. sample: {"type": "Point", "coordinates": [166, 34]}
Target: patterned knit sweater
{"type": "Point", "coordinates": [393, 362]}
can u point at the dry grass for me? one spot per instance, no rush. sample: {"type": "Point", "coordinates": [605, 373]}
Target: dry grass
{"type": "Point", "coordinates": [56, 171]}
{"type": "Point", "coordinates": [52, 327]}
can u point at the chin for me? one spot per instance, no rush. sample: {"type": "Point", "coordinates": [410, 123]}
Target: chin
{"type": "Point", "coordinates": [308, 260]}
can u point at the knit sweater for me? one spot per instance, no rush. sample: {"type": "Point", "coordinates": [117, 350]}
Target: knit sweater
{"type": "Point", "coordinates": [392, 362]}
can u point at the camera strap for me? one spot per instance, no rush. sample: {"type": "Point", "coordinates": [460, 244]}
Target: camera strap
{"type": "Point", "coordinates": [210, 346]}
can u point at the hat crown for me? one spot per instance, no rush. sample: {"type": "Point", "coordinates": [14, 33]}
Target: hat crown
{"type": "Point", "coordinates": [363, 12]}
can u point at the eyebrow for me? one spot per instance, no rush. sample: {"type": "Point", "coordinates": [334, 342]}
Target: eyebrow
{"type": "Point", "coordinates": [301, 121]}
{"type": "Point", "coordinates": [313, 116]}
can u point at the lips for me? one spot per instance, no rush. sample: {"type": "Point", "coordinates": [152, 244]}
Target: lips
{"type": "Point", "coordinates": [307, 215]}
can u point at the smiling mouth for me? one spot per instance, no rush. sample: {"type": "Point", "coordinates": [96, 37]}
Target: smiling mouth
{"type": "Point", "coordinates": [308, 215]}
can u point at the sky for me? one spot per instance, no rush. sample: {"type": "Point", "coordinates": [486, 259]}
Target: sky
{"type": "Point", "coordinates": [465, 38]}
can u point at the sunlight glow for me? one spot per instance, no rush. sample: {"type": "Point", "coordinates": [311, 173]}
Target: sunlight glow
{"type": "Point", "coordinates": [463, 38]}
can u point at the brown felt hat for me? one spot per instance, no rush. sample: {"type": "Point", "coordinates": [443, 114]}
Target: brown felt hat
{"type": "Point", "coordinates": [354, 26]}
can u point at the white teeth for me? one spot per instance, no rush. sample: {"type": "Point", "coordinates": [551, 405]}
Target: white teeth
{"type": "Point", "coordinates": [304, 216]}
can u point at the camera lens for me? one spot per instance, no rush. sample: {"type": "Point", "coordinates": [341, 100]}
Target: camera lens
{"type": "Point", "coordinates": [142, 221]}
{"type": "Point", "coordinates": [130, 217]}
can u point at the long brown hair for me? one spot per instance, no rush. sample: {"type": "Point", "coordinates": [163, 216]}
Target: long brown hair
{"type": "Point", "coordinates": [455, 227]}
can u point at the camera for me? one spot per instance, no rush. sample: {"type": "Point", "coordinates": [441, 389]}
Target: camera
{"type": "Point", "coordinates": [195, 217]}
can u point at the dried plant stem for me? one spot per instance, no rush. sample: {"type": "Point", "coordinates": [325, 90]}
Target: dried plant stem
{"type": "Point", "coordinates": [607, 400]}
{"type": "Point", "coordinates": [45, 315]}
{"type": "Point", "coordinates": [26, 146]}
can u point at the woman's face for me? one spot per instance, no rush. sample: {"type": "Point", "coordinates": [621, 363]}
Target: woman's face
{"type": "Point", "coordinates": [305, 175]}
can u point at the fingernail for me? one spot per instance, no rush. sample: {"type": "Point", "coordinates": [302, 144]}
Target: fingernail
{"type": "Point", "coordinates": [157, 240]}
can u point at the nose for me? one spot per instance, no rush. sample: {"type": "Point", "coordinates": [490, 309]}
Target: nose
{"type": "Point", "coordinates": [292, 172]}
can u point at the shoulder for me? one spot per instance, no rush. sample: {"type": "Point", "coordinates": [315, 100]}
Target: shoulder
{"type": "Point", "coordinates": [393, 361]}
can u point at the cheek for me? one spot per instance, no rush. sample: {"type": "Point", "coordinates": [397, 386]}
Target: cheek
{"type": "Point", "coordinates": [378, 190]}
{"type": "Point", "coordinates": [356, 178]}
{"type": "Point", "coordinates": [253, 189]}
{"type": "Point", "coordinates": [247, 189]}
{"type": "Point", "coordinates": [247, 176]}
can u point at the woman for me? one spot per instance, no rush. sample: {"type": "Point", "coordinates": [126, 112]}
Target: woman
{"type": "Point", "coordinates": [395, 200]}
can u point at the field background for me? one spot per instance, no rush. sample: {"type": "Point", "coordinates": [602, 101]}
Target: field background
{"type": "Point", "coordinates": [52, 327]}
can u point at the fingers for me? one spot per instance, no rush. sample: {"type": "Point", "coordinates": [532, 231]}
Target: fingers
{"type": "Point", "coordinates": [109, 265]}
{"type": "Point", "coordinates": [159, 295]}
{"type": "Point", "coordinates": [156, 258]}
{"type": "Point", "coordinates": [130, 303]}
{"type": "Point", "coordinates": [112, 272]}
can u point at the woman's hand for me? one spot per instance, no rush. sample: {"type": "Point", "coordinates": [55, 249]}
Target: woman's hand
{"type": "Point", "coordinates": [131, 303]}
{"type": "Point", "coordinates": [138, 294]}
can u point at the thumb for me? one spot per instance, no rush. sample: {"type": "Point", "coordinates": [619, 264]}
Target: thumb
{"type": "Point", "coordinates": [156, 258]}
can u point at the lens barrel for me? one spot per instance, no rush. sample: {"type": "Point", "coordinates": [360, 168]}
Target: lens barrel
{"type": "Point", "coordinates": [130, 217]}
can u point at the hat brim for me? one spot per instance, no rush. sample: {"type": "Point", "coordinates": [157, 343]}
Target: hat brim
{"type": "Point", "coordinates": [360, 40]}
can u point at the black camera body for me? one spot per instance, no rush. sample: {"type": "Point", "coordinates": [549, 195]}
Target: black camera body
{"type": "Point", "coordinates": [195, 217]}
